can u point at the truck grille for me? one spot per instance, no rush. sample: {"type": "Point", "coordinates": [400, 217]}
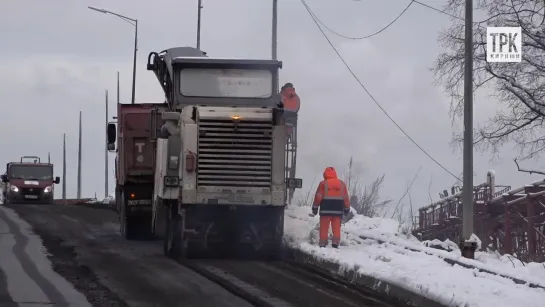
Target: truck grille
{"type": "Point", "coordinates": [234, 154]}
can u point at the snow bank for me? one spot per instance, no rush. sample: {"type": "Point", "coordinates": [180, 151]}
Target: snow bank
{"type": "Point", "coordinates": [106, 201]}
{"type": "Point", "coordinates": [419, 268]}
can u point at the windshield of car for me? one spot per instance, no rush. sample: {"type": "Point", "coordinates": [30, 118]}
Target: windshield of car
{"type": "Point", "coordinates": [31, 172]}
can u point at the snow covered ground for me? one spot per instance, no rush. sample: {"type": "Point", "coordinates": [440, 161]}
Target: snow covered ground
{"type": "Point", "coordinates": [420, 269]}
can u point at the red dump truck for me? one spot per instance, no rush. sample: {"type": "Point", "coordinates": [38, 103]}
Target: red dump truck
{"type": "Point", "coordinates": [134, 165]}
{"type": "Point", "coordinates": [29, 181]}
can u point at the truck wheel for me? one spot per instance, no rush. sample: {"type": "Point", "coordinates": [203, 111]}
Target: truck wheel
{"type": "Point", "coordinates": [172, 242]}
{"type": "Point", "coordinates": [276, 244]}
{"type": "Point", "coordinates": [126, 226]}
{"type": "Point", "coordinates": [118, 200]}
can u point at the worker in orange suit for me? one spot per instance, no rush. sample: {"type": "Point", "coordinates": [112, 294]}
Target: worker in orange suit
{"type": "Point", "coordinates": [291, 100]}
{"type": "Point", "coordinates": [332, 200]}
{"type": "Point", "coordinates": [291, 104]}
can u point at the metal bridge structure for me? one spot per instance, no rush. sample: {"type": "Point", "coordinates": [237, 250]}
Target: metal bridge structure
{"type": "Point", "coordinates": [510, 221]}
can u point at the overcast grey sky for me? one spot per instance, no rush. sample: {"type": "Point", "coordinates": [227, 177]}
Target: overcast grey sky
{"type": "Point", "coordinates": [57, 57]}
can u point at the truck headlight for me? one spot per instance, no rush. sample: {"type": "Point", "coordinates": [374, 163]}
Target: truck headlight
{"type": "Point", "coordinates": [47, 189]}
{"type": "Point", "coordinates": [14, 188]}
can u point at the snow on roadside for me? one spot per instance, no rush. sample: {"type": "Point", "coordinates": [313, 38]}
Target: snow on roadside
{"type": "Point", "coordinates": [506, 264]}
{"type": "Point", "coordinates": [417, 270]}
{"type": "Point", "coordinates": [108, 200]}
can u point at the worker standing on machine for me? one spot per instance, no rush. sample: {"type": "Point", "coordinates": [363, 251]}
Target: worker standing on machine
{"type": "Point", "coordinates": [291, 101]}
{"type": "Point", "coordinates": [333, 202]}
{"type": "Point", "coordinates": [292, 104]}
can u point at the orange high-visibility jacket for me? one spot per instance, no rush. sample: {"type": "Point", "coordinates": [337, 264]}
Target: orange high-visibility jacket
{"type": "Point", "coordinates": [332, 195]}
{"type": "Point", "coordinates": [290, 99]}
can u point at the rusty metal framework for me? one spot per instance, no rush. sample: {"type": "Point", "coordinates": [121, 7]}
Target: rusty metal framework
{"type": "Point", "coordinates": [510, 221]}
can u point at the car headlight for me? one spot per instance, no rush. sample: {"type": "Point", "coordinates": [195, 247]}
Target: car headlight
{"type": "Point", "coordinates": [47, 189]}
{"type": "Point", "coordinates": [14, 188]}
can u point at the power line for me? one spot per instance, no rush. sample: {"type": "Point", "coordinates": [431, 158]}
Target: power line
{"type": "Point", "coordinates": [391, 23]}
{"type": "Point", "coordinates": [437, 10]}
{"type": "Point", "coordinates": [477, 23]}
{"type": "Point", "coordinates": [360, 37]}
{"type": "Point", "coordinates": [368, 93]}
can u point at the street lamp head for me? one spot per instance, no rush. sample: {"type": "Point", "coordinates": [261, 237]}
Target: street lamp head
{"type": "Point", "coordinates": [98, 10]}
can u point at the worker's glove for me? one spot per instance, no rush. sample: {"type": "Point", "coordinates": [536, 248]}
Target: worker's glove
{"type": "Point", "coordinates": [314, 211]}
{"type": "Point", "coordinates": [346, 211]}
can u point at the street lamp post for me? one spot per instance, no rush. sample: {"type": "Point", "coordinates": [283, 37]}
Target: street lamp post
{"type": "Point", "coordinates": [133, 22]}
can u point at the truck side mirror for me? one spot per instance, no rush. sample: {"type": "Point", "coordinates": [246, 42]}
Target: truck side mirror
{"type": "Point", "coordinates": [4, 178]}
{"type": "Point", "coordinates": [57, 180]}
{"type": "Point", "coordinates": [111, 133]}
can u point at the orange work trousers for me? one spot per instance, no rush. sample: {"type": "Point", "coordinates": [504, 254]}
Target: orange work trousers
{"type": "Point", "coordinates": [335, 222]}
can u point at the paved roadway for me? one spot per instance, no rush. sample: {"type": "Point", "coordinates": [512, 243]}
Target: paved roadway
{"type": "Point", "coordinates": [26, 277]}
{"type": "Point", "coordinates": [86, 250]}
{"type": "Point", "coordinates": [89, 264]}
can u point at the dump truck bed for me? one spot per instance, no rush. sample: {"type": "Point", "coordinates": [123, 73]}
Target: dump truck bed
{"type": "Point", "coordinates": [136, 141]}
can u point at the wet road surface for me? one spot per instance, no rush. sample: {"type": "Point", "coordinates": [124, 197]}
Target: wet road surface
{"type": "Point", "coordinates": [26, 277]}
{"type": "Point", "coordinates": [87, 250]}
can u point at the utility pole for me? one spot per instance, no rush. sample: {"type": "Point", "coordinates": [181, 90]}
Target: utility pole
{"type": "Point", "coordinates": [117, 88]}
{"type": "Point", "coordinates": [79, 159]}
{"type": "Point", "coordinates": [274, 29]}
{"type": "Point", "coordinates": [106, 151]}
{"type": "Point", "coordinates": [199, 7]}
{"type": "Point", "coordinates": [64, 166]}
{"type": "Point", "coordinates": [468, 248]}
{"type": "Point", "coordinates": [133, 22]}
{"type": "Point", "coordinates": [274, 43]}
{"type": "Point", "coordinates": [134, 60]}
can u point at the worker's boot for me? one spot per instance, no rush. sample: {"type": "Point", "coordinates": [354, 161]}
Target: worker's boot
{"type": "Point", "coordinates": [335, 245]}
{"type": "Point", "coordinates": [322, 243]}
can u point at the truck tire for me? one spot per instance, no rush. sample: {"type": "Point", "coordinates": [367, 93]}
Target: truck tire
{"type": "Point", "coordinates": [172, 242]}
{"type": "Point", "coordinates": [276, 244]}
{"type": "Point", "coordinates": [118, 200]}
{"type": "Point", "coordinates": [127, 229]}
{"type": "Point", "coordinates": [126, 226]}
